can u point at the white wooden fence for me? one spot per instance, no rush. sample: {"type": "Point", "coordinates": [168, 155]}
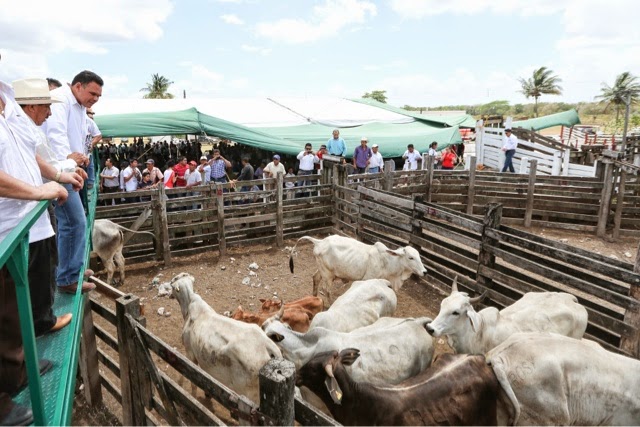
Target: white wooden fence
{"type": "Point", "coordinates": [489, 142]}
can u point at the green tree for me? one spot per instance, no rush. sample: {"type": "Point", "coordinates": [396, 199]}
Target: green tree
{"type": "Point", "coordinates": [497, 108]}
{"type": "Point", "coordinates": [158, 88]}
{"type": "Point", "coordinates": [616, 95]}
{"type": "Point", "coordinates": [543, 82]}
{"type": "Point", "coordinates": [378, 95]}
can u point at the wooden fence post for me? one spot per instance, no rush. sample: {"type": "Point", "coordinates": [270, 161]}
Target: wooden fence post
{"type": "Point", "coordinates": [88, 359]}
{"type": "Point", "coordinates": [161, 225]}
{"type": "Point", "coordinates": [222, 240]}
{"type": "Point", "coordinates": [358, 223]}
{"type": "Point", "coordinates": [132, 382]}
{"type": "Point", "coordinates": [277, 384]}
{"type": "Point", "coordinates": [430, 171]}
{"type": "Point", "coordinates": [471, 191]}
{"type": "Point", "coordinates": [617, 218]}
{"type": "Point", "coordinates": [279, 211]}
{"type": "Point", "coordinates": [528, 213]}
{"type": "Point", "coordinates": [388, 175]}
{"type": "Point", "coordinates": [631, 344]}
{"type": "Point", "coordinates": [492, 218]}
{"type": "Point", "coordinates": [605, 199]}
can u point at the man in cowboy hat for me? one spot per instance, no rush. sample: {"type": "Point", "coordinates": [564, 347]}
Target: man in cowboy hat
{"type": "Point", "coordinates": [21, 185]}
{"type": "Point", "coordinates": [67, 131]}
{"type": "Point", "coordinates": [35, 100]}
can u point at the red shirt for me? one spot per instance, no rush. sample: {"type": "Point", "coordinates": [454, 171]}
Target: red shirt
{"type": "Point", "coordinates": [447, 159]}
{"type": "Point", "coordinates": [180, 170]}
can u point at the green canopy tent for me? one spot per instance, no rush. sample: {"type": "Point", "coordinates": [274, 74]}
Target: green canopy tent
{"type": "Point", "coordinates": [392, 138]}
{"type": "Point", "coordinates": [566, 118]}
{"type": "Point", "coordinates": [462, 120]}
{"type": "Point", "coordinates": [192, 122]}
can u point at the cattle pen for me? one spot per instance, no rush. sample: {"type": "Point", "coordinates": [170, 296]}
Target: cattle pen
{"type": "Point", "coordinates": [461, 222]}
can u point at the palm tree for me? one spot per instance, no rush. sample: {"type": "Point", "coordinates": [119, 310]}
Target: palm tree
{"type": "Point", "coordinates": [158, 87]}
{"type": "Point", "coordinates": [625, 84]}
{"type": "Point", "coordinates": [541, 83]}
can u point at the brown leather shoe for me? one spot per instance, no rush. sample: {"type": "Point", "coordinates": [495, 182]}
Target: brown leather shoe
{"type": "Point", "coordinates": [71, 289]}
{"type": "Point", "coordinates": [61, 322]}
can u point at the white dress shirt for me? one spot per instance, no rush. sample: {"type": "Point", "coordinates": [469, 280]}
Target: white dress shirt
{"type": "Point", "coordinates": [111, 182]}
{"type": "Point", "coordinates": [132, 184]}
{"type": "Point", "coordinates": [44, 150]}
{"type": "Point", "coordinates": [412, 158]}
{"type": "Point", "coordinates": [510, 142]}
{"type": "Point", "coordinates": [376, 161]}
{"type": "Point", "coordinates": [67, 126]}
{"type": "Point", "coordinates": [193, 178]}
{"type": "Point", "coordinates": [307, 161]}
{"type": "Point", "coordinates": [18, 159]}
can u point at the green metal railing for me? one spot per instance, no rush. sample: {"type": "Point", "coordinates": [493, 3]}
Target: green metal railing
{"type": "Point", "coordinates": [14, 252]}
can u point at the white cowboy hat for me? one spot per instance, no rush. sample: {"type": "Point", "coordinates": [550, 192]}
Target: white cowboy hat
{"type": "Point", "coordinates": [32, 91]}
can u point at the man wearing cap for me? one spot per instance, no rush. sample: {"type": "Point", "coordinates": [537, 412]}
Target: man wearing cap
{"type": "Point", "coordinates": [155, 174]}
{"type": "Point", "coordinates": [336, 145]}
{"type": "Point", "coordinates": [361, 156]}
{"type": "Point", "coordinates": [192, 176]}
{"type": "Point", "coordinates": [509, 147]}
{"type": "Point", "coordinates": [274, 168]}
{"type": "Point", "coordinates": [21, 185]}
{"type": "Point", "coordinates": [376, 162]}
{"type": "Point", "coordinates": [67, 130]}
{"type": "Point", "coordinates": [219, 166]}
{"type": "Point", "coordinates": [205, 169]}
{"type": "Point", "coordinates": [321, 152]}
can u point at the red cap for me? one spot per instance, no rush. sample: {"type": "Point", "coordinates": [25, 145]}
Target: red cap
{"type": "Point", "coordinates": [192, 162]}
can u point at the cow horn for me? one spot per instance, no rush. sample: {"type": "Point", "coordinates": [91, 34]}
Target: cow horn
{"type": "Point", "coordinates": [280, 312]}
{"type": "Point", "coordinates": [478, 299]}
{"type": "Point", "coordinates": [328, 368]}
{"type": "Point", "coordinates": [454, 286]}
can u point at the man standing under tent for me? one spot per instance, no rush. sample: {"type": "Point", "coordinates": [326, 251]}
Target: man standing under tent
{"type": "Point", "coordinates": [205, 169]}
{"type": "Point", "coordinates": [336, 145]}
{"type": "Point", "coordinates": [411, 157]}
{"type": "Point", "coordinates": [376, 163]}
{"type": "Point", "coordinates": [361, 156]}
{"type": "Point", "coordinates": [219, 166]}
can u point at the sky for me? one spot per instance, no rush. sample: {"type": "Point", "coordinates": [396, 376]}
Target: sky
{"type": "Point", "coordinates": [422, 52]}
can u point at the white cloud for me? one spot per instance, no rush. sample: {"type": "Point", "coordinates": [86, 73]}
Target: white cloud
{"type": "Point", "coordinates": [417, 9]}
{"type": "Point", "coordinates": [201, 82]}
{"type": "Point", "coordinates": [329, 19]}
{"type": "Point", "coordinates": [232, 19]}
{"type": "Point", "coordinates": [256, 49]}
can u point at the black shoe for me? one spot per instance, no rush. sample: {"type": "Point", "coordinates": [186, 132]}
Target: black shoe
{"type": "Point", "coordinates": [44, 365]}
{"type": "Point", "coordinates": [18, 416]}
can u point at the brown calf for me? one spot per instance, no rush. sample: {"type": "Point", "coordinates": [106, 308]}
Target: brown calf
{"type": "Point", "coordinates": [456, 390]}
{"type": "Point", "coordinates": [296, 317]}
{"type": "Point", "coordinates": [312, 304]}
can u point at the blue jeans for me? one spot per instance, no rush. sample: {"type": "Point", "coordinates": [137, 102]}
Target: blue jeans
{"type": "Point", "coordinates": [72, 227]}
{"type": "Point", "coordinates": [508, 161]}
{"type": "Point", "coordinates": [375, 169]}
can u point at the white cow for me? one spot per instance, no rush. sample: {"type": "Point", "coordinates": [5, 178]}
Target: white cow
{"type": "Point", "coordinates": [391, 349]}
{"type": "Point", "coordinates": [108, 240]}
{"type": "Point", "coordinates": [362, 304]}
{"type": "Point", "coordinates": [345, 258]}
{"type": "Point", "coordinates": [474, 332]}
{"type": "Point", "coordinates": [550, 379]}
{"type": "Point", "coordinates": [232, 352]}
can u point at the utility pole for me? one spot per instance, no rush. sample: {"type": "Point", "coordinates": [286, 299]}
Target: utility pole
{"type": "Point", "coordinates": [627, 104]}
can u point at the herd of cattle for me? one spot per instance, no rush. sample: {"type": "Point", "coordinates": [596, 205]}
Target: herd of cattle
{"type": "Point", "coordinates": [526, 364]}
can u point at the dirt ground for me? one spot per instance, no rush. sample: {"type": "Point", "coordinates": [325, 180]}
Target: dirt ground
{"type": "Point", "coordinates": [227, 282]}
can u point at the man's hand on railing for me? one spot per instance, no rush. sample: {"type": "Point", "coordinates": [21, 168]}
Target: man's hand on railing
{"type": "Point", "coordinates": [79, 158]}
{"type": "Point", "coordinates": [73, 178]}
{"type": "Point", "coordinates": [52, 190]}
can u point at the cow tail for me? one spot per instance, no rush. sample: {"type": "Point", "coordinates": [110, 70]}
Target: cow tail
{"type": "Point", "coordinates": [293, 250]}
{"type": "Point", "coordinates": [503, 380]}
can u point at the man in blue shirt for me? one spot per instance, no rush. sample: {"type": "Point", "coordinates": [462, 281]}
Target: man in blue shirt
{"type": "Point", "coordinates": [336, 145]}
{"type": "Point", "coordinates": [361, 155]}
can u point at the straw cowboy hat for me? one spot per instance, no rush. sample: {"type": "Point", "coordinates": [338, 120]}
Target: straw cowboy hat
{"type": "Point", "coordinates": [32, 91]}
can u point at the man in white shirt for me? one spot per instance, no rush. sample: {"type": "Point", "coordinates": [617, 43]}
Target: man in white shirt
{"type": "Point", "coordinates": [110, 180]}
{"type": "Point", "coordinates": [67, 131]}
{"type": "Point", "coordinates": [131, 177]}
{"type": "Point", "coordinates": [308, 160]}
{"type": "Point", "coordinates": [193, 176]}
{"type": "Point", "coordinates": [376, 162]}
{"type": "Point", "coordinates": [509, 148]}
{"type": "Point", "coordinates": [273, 169]}
{"type": "Point", "coordinates": [21, 186]}
{"type": "Point", "coordinates": [205, 169]}
{"type": "Point", "coordinates": [411, 157]}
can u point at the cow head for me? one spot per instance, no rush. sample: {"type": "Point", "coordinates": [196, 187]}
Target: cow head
{"type": "Point", "coordinates": [320, 370]}
{"type": "Point", "coordinates": [456, 314]}
{"type": "Point", "coordinates": [274, 328]}
{"type": "Point", "coordinates": [245, 316]}
{"type": "Point", "coordinates": [270, 305]}
{"type": "Point", "coordinates": [410, 259]}
{"type": "Point", "coordinates": [182, 290]}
